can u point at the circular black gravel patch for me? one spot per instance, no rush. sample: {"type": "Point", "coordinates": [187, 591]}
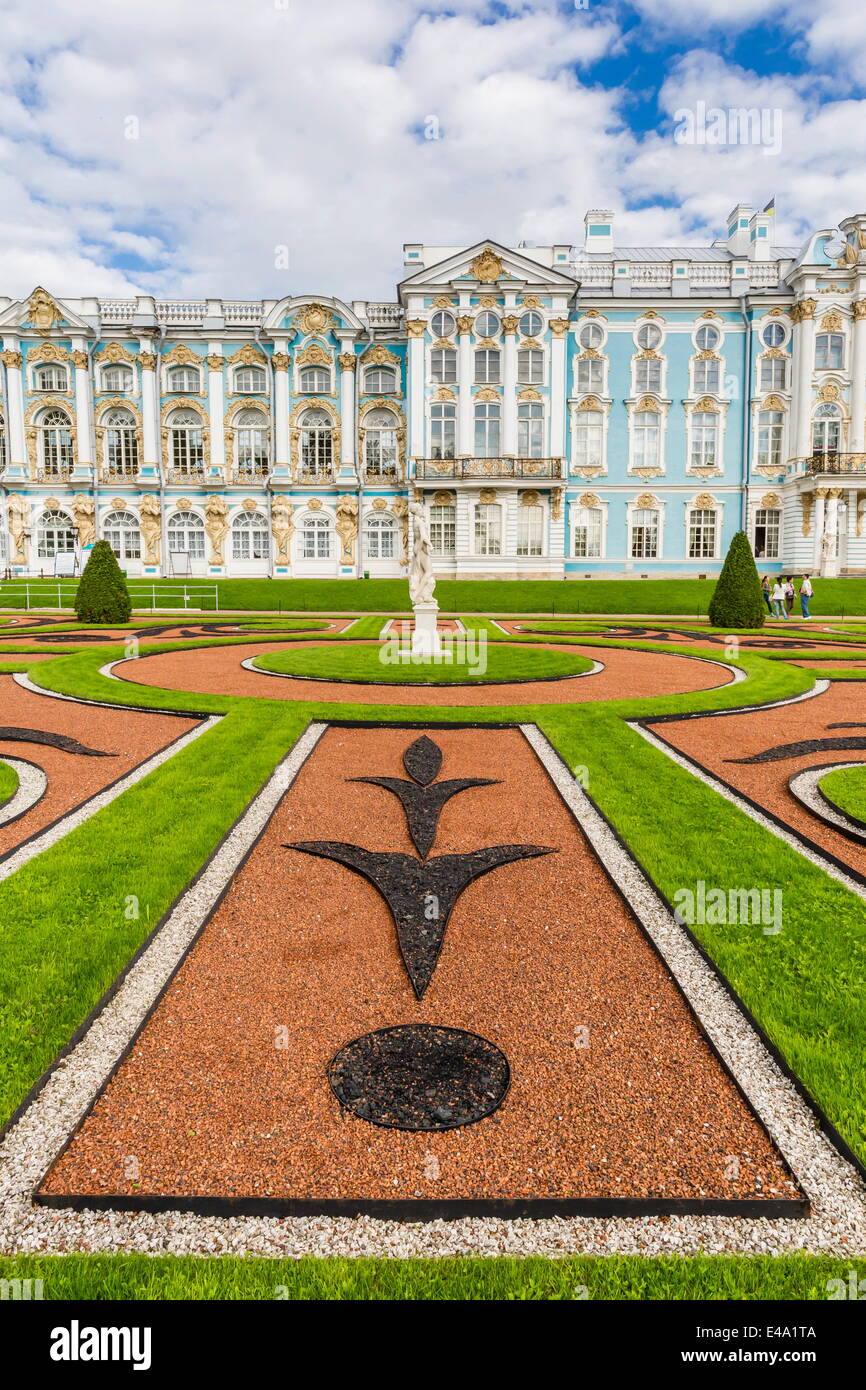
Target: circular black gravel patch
{"type": "Point", "coordinates": [419, 1076]}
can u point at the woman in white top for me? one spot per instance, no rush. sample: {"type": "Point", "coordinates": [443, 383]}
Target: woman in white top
{"type": "Point", "coordinates": [779, 600]}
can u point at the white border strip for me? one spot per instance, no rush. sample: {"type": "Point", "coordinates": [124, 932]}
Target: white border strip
{"type": "Point", "coordinates": [31, 786]}
{"type": "Point", "coordinates": [804, 786]}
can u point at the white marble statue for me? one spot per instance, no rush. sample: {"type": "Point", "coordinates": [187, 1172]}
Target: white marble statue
{"type": "Point", "coordinates": [421, 580]}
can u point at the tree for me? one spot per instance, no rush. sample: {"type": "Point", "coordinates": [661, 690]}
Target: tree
{"type": "Point", "coordinates": [102, 595]}
{"type": "Point", "coordinates": [737, 600]}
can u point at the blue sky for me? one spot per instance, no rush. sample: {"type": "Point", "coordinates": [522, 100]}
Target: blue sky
{"type": "Point", "coordinates": [211, 148]}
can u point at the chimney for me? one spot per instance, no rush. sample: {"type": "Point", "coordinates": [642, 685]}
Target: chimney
{"type": "Point", "coordinates": [599, 230]}
{"type": "Point", "coordinates": [761, 236]}
{"type": "Point", "coordinates": [739, 230]}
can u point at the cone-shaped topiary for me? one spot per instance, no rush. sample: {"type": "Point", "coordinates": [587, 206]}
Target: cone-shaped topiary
{"type": "Point", "coordinates": [737, 600]}
{"type": "Point", "coordinates": [102, 595]}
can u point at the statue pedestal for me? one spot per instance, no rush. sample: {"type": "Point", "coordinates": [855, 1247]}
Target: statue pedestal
{"type": "Point", "coordinates": [425, 636]}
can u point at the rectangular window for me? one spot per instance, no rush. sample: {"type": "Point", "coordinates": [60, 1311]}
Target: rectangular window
{"type": "Point", "coordinates": [645, 534]}
{"type": "Point", "coordinates": [768, 530]}
{"type": "Point", "coordinates": [773, 374]}
{"type": "Point", "coordinates": [590, 374]}
{"type": "Point", "coordinates": [488, 529]}
{"type": "Point", "coordinates": [708, 375]}
{"type": "Point", "coordinates": [702, 535]}
{"type": "Point", "coordinates": [443, 365]}
{"type": "Point", "coordinates": [530, 366]}
{"type": "Point", "coordinates": [530, 530]}
{"type": "Point", "coordinates": [487, 365]}
{"type": "Point", "coordinates": [587, 533]}
{"type": "Point", "coordinates": [648, 374]}
{"type": "Point", "coordinates": [443, 530]}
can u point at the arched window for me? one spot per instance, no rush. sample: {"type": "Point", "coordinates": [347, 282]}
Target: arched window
{"type": "Point", "coordinates": [646, 439]}
{"type": "Point", "coordinates": [250, 540]}
{"type": "Point", "coordinates": [829, 350]}
{"type": "Point", "coordinates": [589, 439]}
{"type": "Point", "coordinates": [702, 534]}
{"type": "Point", "coordinates": [250, 380]}
{"type": "Point", "coordinates": [187, 379]}
{"type": "Point", "coordinates": [645, 533]}
{"type": "Point", "coordinates": [380, 538]}
{"type": "Point", "coordinates": [117, 379]}
{"type": "Point", "coordinates": [488, 365]}
{"type": "Point", "coordinates": [251, 442]}
{"type": "Point", "coordinates": [316, 535]}
{"type": "Point", "coordinates": [487, 416]}
{"type": "Point", "coordinates": [380, 443]}
{"type": "Point", "coordinates": [50, 379]}
{"type": "Point", "coordinates": [443, 430]}
{"type": "Point", "coordinates": [317, 450]}
{"type": "Point", "coordinates": [379, 381]}
{"type": "Point", "coordinates": [315, 381]}
{"type": "Point", "coordinates": [443, 529]}
{"type": "Point", "coordinates": [121, 445]}
{"type": "Point", "coordinates": [54, 535]}
{"type": "Point", "coordinates": [55, 438]}
{"type": "Point", "coordinates": [187, 442]}
{"type": "Point", "coordinates": [530, 430]}
{"type": "Point", "coordinates": [186, 535]}
{"type": "Point", "coordinates": [488, 529]}
{"type": "Point", "coordinates": [826, 431]}
{"type": "Point", "coordinates": [773, 374]}
{"type": "Point", "coordinates": [708, 376]}
{"type": "Point", "coordinates": [121, 531]}
{"type": "Point", "coordinates": [770, 430]}
{"type": "Point", "coordinates": [768, 532]}
{"type": "Point", "coordinates": [647, 374]}
{"type": "Point", "coordinates": [587, 533]}
{"type": "Point", "coordinates": [443, 365]}
{"type": "Point", "coordinates": [530, 530]}
{"type": "Point", "coordinates": [590, 374]}
{"type": "Point", "coordinates": [705, 439]}
{"type": "Point", "coordinates": [530, 366]}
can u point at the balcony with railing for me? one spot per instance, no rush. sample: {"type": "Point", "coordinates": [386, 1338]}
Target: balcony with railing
{"type": "Point", "coordinates": [250, 477]}
{"type": "Point", "coordinates": [380, 473]}
{"type": "Point", "coordinates": [316, 477]}
{"type": "Point", "coordinates": [185, 475]}
{"type": "Point", "coordinates": [56, 473]}
{"type": "Point", "coordinates": [832, 462]}
{"type": "Point", "coordinates": [119, 473]}
{"type": "Point", "coordinates": [469, 469]}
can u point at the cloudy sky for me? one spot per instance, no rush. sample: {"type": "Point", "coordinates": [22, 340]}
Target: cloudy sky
{"type": "Point", "coordinates": [248, 148]}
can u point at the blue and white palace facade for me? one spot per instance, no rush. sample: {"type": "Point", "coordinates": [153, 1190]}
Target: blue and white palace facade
{"type": "Point", "coordinates": [561, 412]}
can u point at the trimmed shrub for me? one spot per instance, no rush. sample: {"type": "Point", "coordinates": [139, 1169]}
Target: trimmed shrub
{"type": "Point", "coordinates": [102, 595]}
{"type": "Point", "coordinates": [737, 599]}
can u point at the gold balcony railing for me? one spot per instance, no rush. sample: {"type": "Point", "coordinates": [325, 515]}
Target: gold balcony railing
{"type": "Point", "coordinates": [434, 469]}
{"type": "Point", "coordinates": [832, 461]}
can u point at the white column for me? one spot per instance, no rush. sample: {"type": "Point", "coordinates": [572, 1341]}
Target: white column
{"type": "Point", "coordinates": [83, 404]}
{"type": "Point", "coordinates": [465, 376]}
{"type": "Point", "coordinates": [556, 535]}
{"type": "Point", "coordinates": [830, 568]}
{"type": "Point", "coordinates": [509, 387]}
{"type": "Point", "coordinates": [510, 508]}
{"type": "Point", "coordinates": [282, 462]}
{"type": "Point", "coordinates": [804, 364]}
{"type": "Point", "coordinates": [415, 389]}
{"type": "Point", "coordinates": [857, 437]}
{"type": "Point", "coordinates": [149, 405]}
{"type": "Point", "coordinates": [216, 406]}
{"type": "Point", "coordinates": [15, 405]}
{"type": "Point", "coordinates": [347, 415]}
{"type": "Point", "coordinates": [463, 526]}
{"type": "Point", "coordinates": [559, 328]}
{"type": "Point", "coordinates": [820, 494]}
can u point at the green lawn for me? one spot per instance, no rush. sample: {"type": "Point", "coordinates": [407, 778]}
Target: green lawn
{"type": "Point", "coordinates": [572, 1278]}
{"type": "Point", "coordinates": [8, 782]}
{"type": "Point", "coordinates": [847, 790]}
{"type": "Point", "coordinates": [833, 597]}
{"type": "Point", "coordinates": [371, 664]}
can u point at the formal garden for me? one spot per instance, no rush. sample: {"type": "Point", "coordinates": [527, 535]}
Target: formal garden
{"type": "Point", "coordinates": [522, 961]}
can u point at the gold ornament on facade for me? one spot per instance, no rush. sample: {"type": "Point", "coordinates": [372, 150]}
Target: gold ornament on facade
{"type": "Point", "coordinates": [705, 501]}
{"type": "Point", "coordinates": [80, 361]}
{"type": "Point", "coordinates": [593, 403]}
{"type": "Point", "coordinates": [589, 499]}
{"type": "Point", "coordinates": [42, 311]}
{"type": "Point", "coordinates": [510, 323]}
{"type": "Point", "coordinates": [216, 525]}
{"type": "Point", "coordinates": [348, 361]}
{"type": "Point", "coordinates": [379, 356]}
{"type": "Point", "coordinates": [556, 503]}
{"type": "Point", "coordinates": [17, 514]}
{"type": "Point", "coordinates": [488, 301]}
{"type": "Point", "coordinates": [646, 500]}
{"type": "Point", "coordinates": [530, 301]}
{"type": "Point", "coordinates": [249, 505]}
{"type": "Point", "coordinates": [773, 403]}
{"type": "Point", "coordinates": [416, 328]}
{"type": "Point", "coordinates": [830, 392]}
{"type": "Point", "coordinates": [651, 314]}
{"type": "Point", "coordinates": [314, 318]}
{"type": "Point", "coordinates": [443, 499]}
{"type": "Point", "coordinates": [487, 267]}
{"type": "Point", "coordinates": [113, 354]}
{"type": "Point", "coordinates": [183, 504]}
{"type": "Point", "coordinates": [148, 361]}
{"type": "Point", "coordinates": [313, 355]}
{"type": "Point", "coordinates": [559, 327]}
{"type": "Point", "coordinates": [859, 308]}
{"type": "Point", "coordinates": [181, 356]}
{"type": "Point", "coordinates": [707, 403]}
{"type": "Point", "coordinates": [487, 393]}
{"type": "Point", "coordinates": [831, 323]}
{"type": "Point", "coordinates": [400, 510]}
{"type": "Point", "coordinates": [648, 403]}
{"type": "Point", "coordinates": [530, 343]}
{"type": "Point", "coordinates": [48, 352]}
{"type": "Point", "coordinates": [215, 362]}
{"type": "Point", "coordinates": [528, 393]}
{"type": "Point", "coordinates": [444, 393]}
{"type": "Point", "coordinates": [379, 504]}
{"type": "Point", "coordinates": [248, 356]}
{"type": "Point", "coordinates": [444, 343]}
{"type": "Point", "coordinates": [282, 527]}
{"type": "Point", "coordinates": [346, 526]}
{"type": "Point", "coordinates": [490, 344]}
{"type": "Point", "coordinates": [487, 496]}
{"type": "Point", "coordinates": [530, 498]}
{"type": "Point", "coordinates": [151, 527]}
{"type": "Point", "coordinates": [118, 504]}
{"type": "Point", "coordinates": [771, 500]}
{"type": "Point", "coordinates": [594, 353]}
{"type": "Point", "coordinates": [442, 301]}
{"type": "Point", "coordinates": [10, 358]}
{"type": "Point", "coordinates": [465, 323]}
{"type": "Point", "coordinates": [803, 309]}
{"type": "Point", "coordinates": [281, 361]}
{"type": "Point", "coordinates": [84, 513]}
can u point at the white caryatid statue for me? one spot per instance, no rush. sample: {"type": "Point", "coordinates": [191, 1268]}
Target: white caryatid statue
{"type": "Point", "coordinates": [425, 633]}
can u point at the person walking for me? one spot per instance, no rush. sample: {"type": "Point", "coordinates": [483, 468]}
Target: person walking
{"type": "Point", "coordinates": [765, 590]}
{"type": "Point", "coordinates": [789, 594]}
{"type": "Point", "coordinates": [779, 600]}
{"type": "Point", "coordinates": [805, 595]}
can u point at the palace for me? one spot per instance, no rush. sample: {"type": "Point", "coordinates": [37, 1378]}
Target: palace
{"type": "Point", "coordinates": [561, 412]}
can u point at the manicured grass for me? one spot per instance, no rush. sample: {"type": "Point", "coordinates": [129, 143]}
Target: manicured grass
{"type": "Point", "coordinates": [376, 664]}
{"type": "Point", "coordinates": [8, 781]}
{"type": "Point", "coordinates": [672, 596]}
{"type": "Point", "coordinates": [847, 790]}
{"type": "Point", "coordinates": [593, 1278]}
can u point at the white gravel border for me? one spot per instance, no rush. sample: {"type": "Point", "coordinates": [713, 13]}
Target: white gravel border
{"type": "Point", "coordinates": [31, 785]}
{"type": "Point", "coordinates": [804, 786]}
{"type": "Point", "coordinates": [837, 1223]}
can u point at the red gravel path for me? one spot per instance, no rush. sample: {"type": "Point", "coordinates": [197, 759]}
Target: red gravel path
{"type": "Point", "coordinates": [626, 675]}
{"type": "Point", "coordinates": [225, 1091]}
{"type": "Point", "coordinates": [710, 742]}
{"type": "Point", "coordinates": [72, 778]}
